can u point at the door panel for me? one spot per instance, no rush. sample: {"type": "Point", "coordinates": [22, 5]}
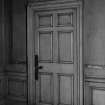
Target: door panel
{"type": "Point", "coordinates": [46, 83]}
{"type": "Point", "coordinates": [64, 18]}
{"type": "Point", "coordinates": [45, 20]}
{"type": "Point", "coordinates": [65, 43]}
{"type": "Point", "coordinates": [45, 46]}
{"type": "Point", "coordinates": [65, 89]}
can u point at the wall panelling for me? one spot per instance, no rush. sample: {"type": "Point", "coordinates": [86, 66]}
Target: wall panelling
{"type": "Point", "coordinates": [16, 84]}
{"type": "Point", "coordinates": [94, 85]}
{"type": "Point", "coordinates": [2, 87]}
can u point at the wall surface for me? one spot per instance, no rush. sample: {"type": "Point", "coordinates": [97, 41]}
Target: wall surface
{"type": "Point", "coordinates": [4, 46]}
{"type": "Point", "coordinates": [1, 58]}
{"type": "Point", "coordinates": [16, 72]}
{"type": "Point", "coordinates": [0, 32]}
{"type": "Point", "coordinates": [19, 30]}
{"type": "Point", "coordinates": [4, 31]}
{"type": "Point", "coordinates": [94, 30]}
{"type": "Point", "coordinates": [94, 48]}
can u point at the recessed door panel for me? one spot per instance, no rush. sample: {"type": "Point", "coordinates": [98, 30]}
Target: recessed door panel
{"type": "Point", "coordinates": [65, 18]}
{"type": "Point", "coordinates": [65, 89]}
{"type": "Point", "coordinates": [65, 46]}
{"type": "Point", "coordinates": [45, 20]}
{"type": "Point", "coordinates": [46, 90]}
{"type": "Point", "coordinates": [45, 46]}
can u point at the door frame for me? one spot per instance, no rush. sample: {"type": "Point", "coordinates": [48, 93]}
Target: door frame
{"type": "Point", "coordinates": [31, 8]}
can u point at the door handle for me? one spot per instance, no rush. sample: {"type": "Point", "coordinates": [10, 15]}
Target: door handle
{"type": "Point", "coordinates": [37, 67]}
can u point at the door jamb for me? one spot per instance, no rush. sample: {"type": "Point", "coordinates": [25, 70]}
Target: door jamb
{"type": "Point", "coordinates": [30, 51]}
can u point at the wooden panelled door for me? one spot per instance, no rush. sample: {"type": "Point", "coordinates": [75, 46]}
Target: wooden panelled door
{"type": "Point", "coordinates": [57, 43]}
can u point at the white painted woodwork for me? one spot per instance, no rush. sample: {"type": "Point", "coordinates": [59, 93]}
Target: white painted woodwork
{"type": "Point", "coordinates": [65, 18]}
{"type": "Point", "coordinates": [54, 35]}
{"type": "Point", "coordinates": [65, 46]}
{"type": "Point", "coordinates": [58, 81]}
{"type": "Point", "coordinates": [45, 20]}
{"type": "Point", "coordinates": [94, 93]}
{"type": "Point", "coordinates": [98, 97]}
{"type": "Point", "coordinates": [45, 46]}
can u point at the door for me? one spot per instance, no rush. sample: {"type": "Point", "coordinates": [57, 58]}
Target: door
{"type": "Point", "coordinates": [57, 47]}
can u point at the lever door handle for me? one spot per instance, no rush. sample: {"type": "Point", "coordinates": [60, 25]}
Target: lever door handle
{"type": "Point", "coordinates": [37, 67]}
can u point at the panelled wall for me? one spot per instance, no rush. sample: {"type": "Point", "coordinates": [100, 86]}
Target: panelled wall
{"type": "Point", "coordinates": [4, 45]}
{"type": "Point", "coordinates": [16, 84]}
{"type": "Point", "coordinates": [2, 100]}
{"type": "Point", "coordinates": [94, 53]}
{"type": "Point", "coordinates": [1, 69]}
{"type": "Point", "coordinates": [16, 72]}
{"type": "Point", "coordinates": [94, 85]}
{"type": "Point", "coordinates": [94, 32]}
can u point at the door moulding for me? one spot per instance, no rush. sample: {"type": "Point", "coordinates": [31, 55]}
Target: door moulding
{"type": "Point", "coordinates": [31, 8]}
